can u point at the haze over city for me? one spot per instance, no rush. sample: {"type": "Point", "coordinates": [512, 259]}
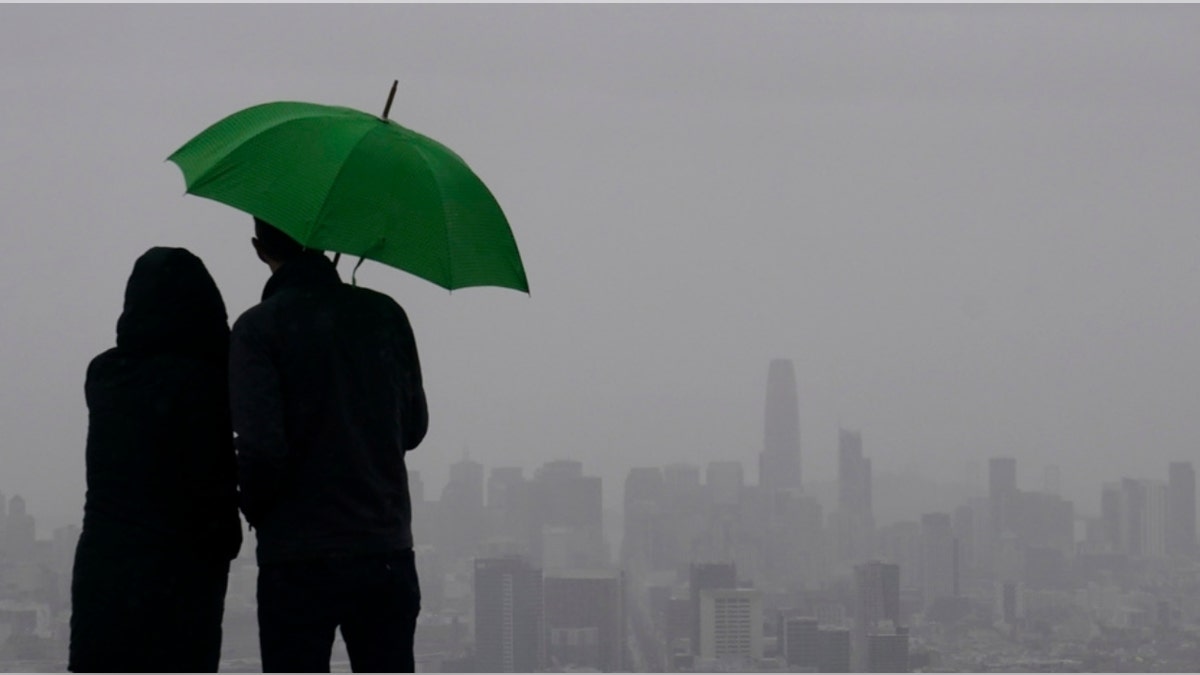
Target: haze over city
{"type": "Point", "coordinates": [970, 228]}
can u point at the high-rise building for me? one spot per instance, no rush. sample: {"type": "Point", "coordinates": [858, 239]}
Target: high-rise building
{"type": "Point", "coordinates": [644, 483]}
{"type": "Point", "coordinates": [854, 474]}
{"type": "Point", "coordinates": [877, 599]}
{"type": "Point", "coordinates": [509, 618]}
{"type": "Point", "coordinates": [460, 514]}
{"type": "Point", "coordinates": [680, 479]}
{"type": "Point", "coordinates": [888, 652]}
{"type": "Point", "coordinates": [900, 543]}
{"type": "Point", "coordinates": [20, 532]}
{"type": "Point", "coordinates": [416, 487]}
{"type": "Point", "coordinates": [800, 641]}
{"type": "Point", "coordinates": [1044, 520]}
{"type": "Point", "coordinates": [1010, 601]}
{"type": "Point", "coordinates": [1181, 509]}
{"type": "Point", "coordinates": [731, 626]}
{"type": "Point", "coordinates": [1111, 501]}
{"type": "Point", "coordinates": [806, 645]}
{"type": "Point", "coordinates": [965, 535]}
{"type": "Point", "coordinates": [643, 546]}
{"type": "Point", "coordinates": [724, 481]}
{"type": "Point", "coordinates": [567, 509]}
{"type": "Point", "coordinates": [1045, 568]}
{"type": "Point", "coordinates": [877, 586]}
{"type": "Point", "coordinates": [503, 485]}
{"type": "Point", "coordinates": [508, 509]}
{"type": "Point", "coordinates": [1155, 530]}
{"type": "Point", "coordinates": [853, 523]}
{"type": "Point", "coordinates": [585, 619]}
{"type": "Point", "coordinates": [707, 577]}
{"type": "Point", "coordinates": [779, 462]}
{"type": "Point", "coordinates": [1133, 516]}
{"type": "Point", "coordinates": [1143, 517]}
{"type": "Point", "coordinates": [835, 650]}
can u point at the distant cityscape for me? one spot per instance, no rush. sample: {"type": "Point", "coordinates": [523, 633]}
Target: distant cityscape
{"type": "Point", "coordinates": [705, 572]}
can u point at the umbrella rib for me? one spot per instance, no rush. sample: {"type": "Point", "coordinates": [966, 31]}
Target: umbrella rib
{"type": "Point", "coordinates": [442, 203]}
{"type": "Point", "coordinates": [336, 177]}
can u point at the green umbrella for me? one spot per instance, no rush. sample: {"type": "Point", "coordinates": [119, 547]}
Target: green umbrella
{"type": "Point", "coordinates": [341, 180]}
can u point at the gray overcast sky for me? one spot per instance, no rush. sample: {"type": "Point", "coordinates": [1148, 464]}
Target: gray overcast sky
{"type": "Point", "coordinates": [972, 227]}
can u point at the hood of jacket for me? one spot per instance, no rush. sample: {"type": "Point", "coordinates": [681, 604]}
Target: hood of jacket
{"type": "Point", "coordinates": [172, 305]}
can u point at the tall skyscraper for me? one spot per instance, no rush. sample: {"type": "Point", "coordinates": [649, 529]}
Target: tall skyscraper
{"type": "Point", "coordinates": [854, 523]}
{"type": "Point", "coordinates": [1181, 509]}
{"type": "Point", "coordinates": [707, 577]}
{"type": "Point", "coordinates": [779, 462]}
{"type": "Point", "coordinates": [509, 619]}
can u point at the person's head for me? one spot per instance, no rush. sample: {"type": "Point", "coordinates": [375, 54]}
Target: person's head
{"type": "Point", "coordinates": [273, 246]}
{"type": "Point", "coordinates": [172, 304]}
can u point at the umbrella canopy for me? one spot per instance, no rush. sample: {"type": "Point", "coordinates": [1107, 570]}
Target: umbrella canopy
{"type": "Point", "coordinates": [342, 180]}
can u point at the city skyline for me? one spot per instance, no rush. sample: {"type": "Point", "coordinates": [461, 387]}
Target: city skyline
{"type": "Point", "coordinates": [941, 559]}
{"type": "Point", "coordinates": [814, 287]}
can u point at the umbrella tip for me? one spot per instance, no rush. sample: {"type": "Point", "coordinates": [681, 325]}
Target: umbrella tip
{"type": "Point", "coordinates": [391, 95]}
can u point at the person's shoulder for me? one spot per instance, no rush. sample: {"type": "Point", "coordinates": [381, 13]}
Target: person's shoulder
{"type": "Point", "coordinates": [105, 363]}
{"type": "Point", "coordinates": [117, 370]}
{"type": "Point", "coordinates": [253, 317]}
{"type": "Point", "coordinates": [374, 297]}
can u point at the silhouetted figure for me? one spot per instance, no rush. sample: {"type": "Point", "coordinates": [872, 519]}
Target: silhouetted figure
{"type": "Point", "coordinates": [160, 520]}
{"type": "Point", "coordinates": [327, 397]}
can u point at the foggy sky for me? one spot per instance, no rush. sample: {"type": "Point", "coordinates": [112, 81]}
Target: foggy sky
{"type": "Point", "coordinates": [973, 228]}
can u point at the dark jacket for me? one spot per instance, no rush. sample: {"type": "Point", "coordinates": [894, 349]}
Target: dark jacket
{"type": "Point", "coordinates": [160, 461]}
{"type": "Point", "coordinates": [160, 520]}
{"type": "Point", "coordinates": [326, 394]}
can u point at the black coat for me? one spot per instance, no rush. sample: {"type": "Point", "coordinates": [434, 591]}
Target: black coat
{"type": "Point", "coordinates": [327, 396]}
{"type": "Point", "coordinates": [160, 517]}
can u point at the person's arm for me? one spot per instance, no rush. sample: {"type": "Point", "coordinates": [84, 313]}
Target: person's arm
{"type": "Point", "coordinates": [256, 407]}
{"type": "Point", "coordinates": [414, 417]}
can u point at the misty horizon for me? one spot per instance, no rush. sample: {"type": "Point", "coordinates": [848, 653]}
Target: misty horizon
{"type": "Point", "coordinates": [970, 229]}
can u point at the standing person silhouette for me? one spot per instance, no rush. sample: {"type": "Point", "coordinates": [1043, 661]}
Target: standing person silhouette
{"type": "Point", "coordinates": [160, 520]}
{"type": "Point", "coordinates": [327, 398]}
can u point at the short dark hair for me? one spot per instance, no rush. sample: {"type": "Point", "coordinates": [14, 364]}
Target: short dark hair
{"type": "Point", "coordinates": [274, 242]}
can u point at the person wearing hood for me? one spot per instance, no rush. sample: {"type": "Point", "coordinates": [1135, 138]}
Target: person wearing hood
{"type": "Point", "coordinates": [160, 523]}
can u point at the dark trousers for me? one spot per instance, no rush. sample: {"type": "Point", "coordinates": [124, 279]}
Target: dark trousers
{"type": "Point", "coordinates": [373, 599]}
{"type": "Point", "coordinates": [139, 609]}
